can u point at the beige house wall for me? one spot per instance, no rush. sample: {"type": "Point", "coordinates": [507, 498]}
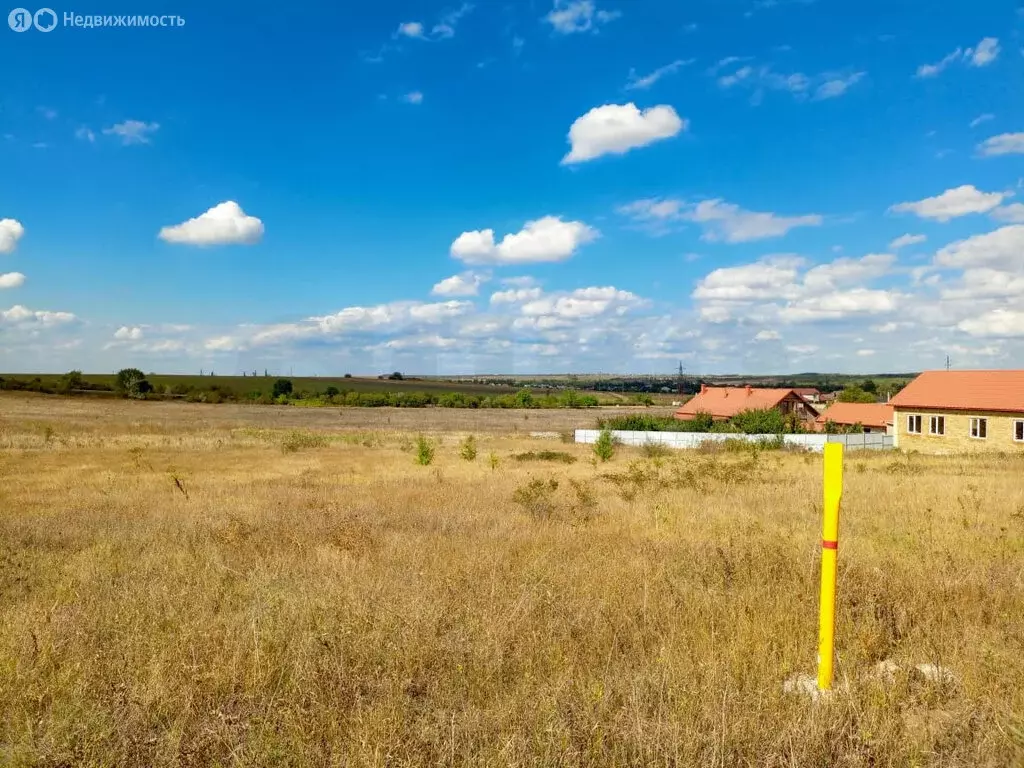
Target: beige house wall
{"type": "Point", "coordinates": [957, 438]}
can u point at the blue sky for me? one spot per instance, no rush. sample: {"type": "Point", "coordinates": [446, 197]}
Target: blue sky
{"type": "Point", "coordinates": [718, 183]}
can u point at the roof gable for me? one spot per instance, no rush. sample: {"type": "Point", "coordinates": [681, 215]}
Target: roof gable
{"type": "Point", "coordinates": [964, 391]}
{"type": "Point", "coordinates": [726, 402]}
{"type": "Point", "coordinates": [865, 414]}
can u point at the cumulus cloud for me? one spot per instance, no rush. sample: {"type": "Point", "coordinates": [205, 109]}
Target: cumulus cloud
{"type": "Point", "coordinates": [125, 333]}
{"type": "Point", "coordinates": [222, 344]}
{"type": "Point", "coordinates": [515, 295]}
{"type": "Point", "coordinates": [464, 284]}
{"type": "Point", "coordinates": [133, 131]}
{"type": "Point", "coordinates": [85, 134]}
{"type": "Point", "coordinates": [1000, 249]}
{"type": "Point", "coordinates": [617, 128]}
{"type": "Point", "coordinates": [996, 323]}
{"type": "Point", "coordinates": [642, 83]}
{"type": "Point", "coordinates": [11, 232]}
{"type": "Point", "coordinates": [1012, 214]}
{"type": "Point", "coordinates": [541, 240]}
{"type": "Point", "coordinates": [442, 30]}
{"type": "Point", "coordinates": [12, 280]}
{"type": "Point", "coordinates": [19, 315]}
{"type": "Point", "coordinates": [781, 289]}
{"type": "Point", "coordinates": [573, 16]}
{"type": "Point", "coordinates": [959, 201]}
{"type": "Point", "coordinates": [1004, 144]}
{"type": "Point", "coordinates": [904, 240]}
{"type": "Point", "coordinates": [413, 97]}
{"type": "Point", "coordinates": [224, 224]}
{"type": "Point", "coordinates": [767, 336]}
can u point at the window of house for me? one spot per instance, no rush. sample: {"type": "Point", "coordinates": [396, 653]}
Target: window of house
{"type": "Point", "coordinates": [1018, 431]}
{"type": "Point", "coordinates": [937, 425]}
{"type": "Point", "coordinates": [979, 428]}
{"type": "Point", "coordinates": [914, 424]}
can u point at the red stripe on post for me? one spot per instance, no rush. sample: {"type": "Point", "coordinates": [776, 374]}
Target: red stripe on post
{"type": "Point", "coordinates": [826, 544]}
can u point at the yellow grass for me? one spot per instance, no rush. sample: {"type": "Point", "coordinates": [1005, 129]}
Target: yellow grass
{"type": "Point", "coordinates": [198, 586]}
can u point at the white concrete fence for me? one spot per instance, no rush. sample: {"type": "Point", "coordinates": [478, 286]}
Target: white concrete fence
{"type": "Point", "coordinates": [815, 442]}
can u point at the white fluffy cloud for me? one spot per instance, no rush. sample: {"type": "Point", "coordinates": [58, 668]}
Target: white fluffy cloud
{"type": "Point", "coordinates": [413, 97]}
{"type": "Point", "coordinates": [11, 232]}
{"type": "Point", "coordinates": [541, 240]}
{"type": "Point", "coordinates": [904, 240]}
{"type": "Point", "coordinates": [133, 131]}
{"type": "Point", "coordinates": [996, 323]}
{"type": "Point", "coordinates": [581, 303]}
{"type": "Point", "coordinates": [12, 280]}
{"type": "Point", "coordinates": [728, 222]}
{"type": "Point", "coordinates": [125, 333]}
{"type": "Point", "coordinates": [779, 289]}
{"type": "Point", "coordinates": [767, 336]}
{"type": "Point", "coordinates": [1000, 249]}
{"type": "Point", "coordinates": [617, 128]}
{"type": "Point", "coordinates": [1004, 144]}
{"type": "Point", "coordinates": [1012, 214]}
{"type": "Point", "coordinates": [959, 201]}
{"type": "Point", "coordinates": [573, 16]}
{"type": "Point", "coordinates": [464, 284]}
{"type": "Point", "coordinates": [515, 295]}
{"type": "Point", "coordinates": [20, 315]}
{"type": "Point", "coordinates": [224, 224]}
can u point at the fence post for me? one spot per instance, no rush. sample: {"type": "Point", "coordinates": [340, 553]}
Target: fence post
{"type": "Point", "coordinates": [833, 493]}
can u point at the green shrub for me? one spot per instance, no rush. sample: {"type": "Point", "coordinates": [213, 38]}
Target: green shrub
{"type": "Point", "coordinates": [424, 451]}
{"type": "Point", "coordinates": [298, 439]}
{"type": "Point", "coordinates": [492, 459]}
{"type": "Point", "coordinates": [537, 497]}
{"type": "Point", "coordinates": [604, 448]}
{"type": "Point", "coordinates": [655, 450]}
{"type": "Point", "coordinates": [282, 388]}
{"type": "Point", "coordinates": [332, 391]}
{"type": "Point", "coordinates": [468, 449]}
{"type": "Point", "coordinates": [561, 456]}
{"type": "Point", "coordinates": [760, 421]}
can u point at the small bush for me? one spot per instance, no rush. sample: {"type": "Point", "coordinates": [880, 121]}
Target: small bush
{"type": "Point", "coordinates": [562, 456]}
{"type": "Point", "coordinates": [655, 450]}
{"type": "Point", "coordinates": [282, 388]}
{"type": "Point", "coordinates": [468, 449]}
{"type": "Point", "coordinates": [493, 461]}
{"type": "Point", "coordinates": [537, 497]}
{"type": "Point", "coordinates": [424, 451]}
{"type": "Point", "coordinates": [297, 439]}
{"type": "Point", "coordinates": [604, 448]}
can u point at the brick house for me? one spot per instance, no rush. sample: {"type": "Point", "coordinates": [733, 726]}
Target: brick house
{"type": "Point", "coordinates": [953, 411]}
{"type": "Point", "coordinates": [725, 402]}
{"type": "Point", "coordinates": [873, 417]}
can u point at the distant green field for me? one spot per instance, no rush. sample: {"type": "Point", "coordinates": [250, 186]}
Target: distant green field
{"type": "Point", "coordinates": [245, 384]}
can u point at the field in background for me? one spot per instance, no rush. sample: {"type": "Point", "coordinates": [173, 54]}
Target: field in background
{"type": "Point", "coordinates": [197, 585]}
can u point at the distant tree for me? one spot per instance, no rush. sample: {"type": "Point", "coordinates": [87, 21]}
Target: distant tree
{"type": "Point", "coordinates": [282, 387]}
{"type": "Point", "coordinates": [131, 382]}
{"type": "Point", "coordinates": [869, 386]}
{"type": "Point", "coordinates": [70, 381]}
{"type": "Point", "coordinates": [855, 395]}
{"type": "Point", "coordinates": [396, 376]}
{"type": "Point", "coordinates": [348, 375]}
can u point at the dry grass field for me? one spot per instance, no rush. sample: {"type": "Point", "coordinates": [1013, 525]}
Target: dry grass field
{"type": "Point", "coordinates": [245, 586]}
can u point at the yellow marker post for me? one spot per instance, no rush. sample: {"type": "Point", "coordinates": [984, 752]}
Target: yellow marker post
{"type": "Point", "coordinates": [829, 551]}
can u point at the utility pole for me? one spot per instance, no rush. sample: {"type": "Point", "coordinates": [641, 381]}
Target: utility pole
{"type": "Point", "coordinates": [947, 362]}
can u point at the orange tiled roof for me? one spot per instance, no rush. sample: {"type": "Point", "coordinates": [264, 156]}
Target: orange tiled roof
{"type": "Point", "coordinates": [726, 402]}
{"type": "Point", "coordinates": [964, 391]}
{"type": "Point", "coordinates": [865, 414]}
